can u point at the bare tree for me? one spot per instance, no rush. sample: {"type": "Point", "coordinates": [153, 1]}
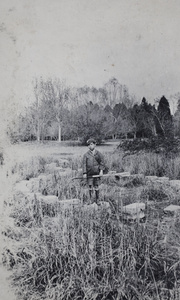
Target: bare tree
{"type": "Point", "coordinates": [52, 100]}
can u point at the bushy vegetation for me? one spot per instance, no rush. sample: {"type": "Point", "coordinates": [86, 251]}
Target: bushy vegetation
{"type": "Point", "coordinates": [92, 254]}
{"type": "Point", "coordinates": [60, 112]}
{"type": "Point", "coordinates": [166, 146]}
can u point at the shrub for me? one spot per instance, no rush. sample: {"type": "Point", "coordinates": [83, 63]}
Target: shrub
{"type": "Point", "coordinates": [155, 144]}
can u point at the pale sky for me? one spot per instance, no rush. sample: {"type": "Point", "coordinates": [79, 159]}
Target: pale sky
{"type": "Point", "coordinates": [86, 42]}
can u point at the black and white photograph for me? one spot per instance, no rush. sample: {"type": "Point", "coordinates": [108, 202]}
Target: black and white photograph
{"type": "Point", "coordinates": [89, 150]}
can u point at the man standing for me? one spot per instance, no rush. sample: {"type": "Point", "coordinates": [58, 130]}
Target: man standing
{"type": "Point", "coordinates": [93, 164]}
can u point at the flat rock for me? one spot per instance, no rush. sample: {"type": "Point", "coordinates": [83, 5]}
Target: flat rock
{"type": "Point", "coordinates": [94, 207]}
{"type": "Point", "coordinates": [151, 178]}
{"type": "Point", "coordinates": [133, 208]}
{"type": "Point", "coordinates": [137, 175]}
{"type": "Point", "coordinates": [33, 184]}
{"type": "Point", "coordinates": [69, 202]}
{"type": "Point", "coordinates": [49, 199]}
{"type": "Point", "coordinates": [134, 217]}
{"type": "Point", "coordinates": [172, 208]}
{"type": "Point", "coordinates": [175, 184]}
{"type": "Point", "coordinates": [90, 208]}
{"type": "Point", "coordinates": [150, 202]}
{"type": "Point", "coordinates": [100, 205]}
{"type": "Point", "coordinates": [162, 179]}
{"type": "Point", "coordinates": [133, 212]}
{"type": "Point", "coordinates": [21, 187]}
{"type": "Point", "coordinates": [43, 177]}
{"type": "Point", "coordinates": [50, 167]}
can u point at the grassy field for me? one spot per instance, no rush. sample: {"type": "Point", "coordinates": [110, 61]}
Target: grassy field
{"type": "Point", "coordinates": [91, 254]}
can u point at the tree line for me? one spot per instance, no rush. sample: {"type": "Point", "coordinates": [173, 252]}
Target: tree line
{"type": "Point", "coordinates": [60, 112]}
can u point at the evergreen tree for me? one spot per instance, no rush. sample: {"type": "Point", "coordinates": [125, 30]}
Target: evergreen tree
{"type": "Point", "coordinates": [176, 120]}
{"type": "Point", "coordinates": [164, 123]}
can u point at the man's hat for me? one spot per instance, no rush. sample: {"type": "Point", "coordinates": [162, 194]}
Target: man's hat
{"type": "Point", "coordinates": [91, 140]}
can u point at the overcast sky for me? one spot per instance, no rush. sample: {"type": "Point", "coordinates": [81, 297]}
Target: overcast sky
{"type": "Point", "coordinates": [87, 42]}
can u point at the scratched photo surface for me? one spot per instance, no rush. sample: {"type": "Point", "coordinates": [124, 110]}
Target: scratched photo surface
{"type": "Point", "coordinates": [80, 221]}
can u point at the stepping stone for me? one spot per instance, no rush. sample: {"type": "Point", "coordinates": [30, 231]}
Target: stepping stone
{"type": "Point", "coordinates": [90, 208]}
{"type": "Point", "coordinates": [162, 179]}
{"type": "Point", "coordinates": [21, 187]}
{"type": "Point", "coordinates": [134, 217]}
{"type": "Point", "coordinates": [101, 205]}
{"type": "Point", "coordinates": [50, 167]}
{"type": "Point", "coordinates": [137, 176]}
{"type": "Point", "coordinates": [151, 178]}
{"type": "Point", "coordinates": [175, 184]}
{"type": "Point", "coordinates": [134, 208]}
{"type": "Point", "coordinates": [50, 199]}
{"type": "Point", "coordinates": [150, 202]}
{"type": "Point", "coordinates": [33, 184]}
{"type": "Point", "coordinates": [172, 209]}
{"type": "Point", "coordinates": [134, 211]}
{"type": "Point", "coordinates": [69, 203]}
{"type": "Point", "coordinates": [43, 177]}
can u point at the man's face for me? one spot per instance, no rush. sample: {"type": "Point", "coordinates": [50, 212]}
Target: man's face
{"type": "Point", "coordinates": [92, 146]}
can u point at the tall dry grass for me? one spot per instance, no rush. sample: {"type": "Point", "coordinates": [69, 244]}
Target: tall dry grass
{"type": "Point", "coordinates": [91, 254]}
{"type": "Point", "coordinates": [146, 163]}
